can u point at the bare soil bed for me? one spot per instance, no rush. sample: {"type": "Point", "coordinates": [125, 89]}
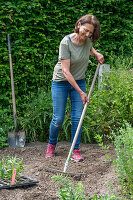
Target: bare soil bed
{"type": "Point", "coordinates": [99, 172]}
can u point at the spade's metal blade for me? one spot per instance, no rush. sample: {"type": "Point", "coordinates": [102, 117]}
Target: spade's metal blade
{"type": "Point", "coordinates": [16, 139]}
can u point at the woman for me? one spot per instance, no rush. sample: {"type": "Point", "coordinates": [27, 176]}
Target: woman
{"type": "Point", "coordinates": [69, 79]}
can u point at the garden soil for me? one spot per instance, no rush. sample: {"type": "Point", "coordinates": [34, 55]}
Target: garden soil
{"type": "Point", "coordinates": [99, 172]}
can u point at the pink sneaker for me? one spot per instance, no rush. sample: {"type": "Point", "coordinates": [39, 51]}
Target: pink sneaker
{"type": "Point", "coordinates": [50, 151]}
{"type": "Point", "coordinates": [76, 156]}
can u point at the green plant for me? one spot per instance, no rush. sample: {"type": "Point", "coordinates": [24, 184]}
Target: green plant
{"type": "Point", "coordinates": [104, 197]}
{"type": "Point", "coordinates": [67, 191]}
{"type": "Point", "coordinates": [124, 161]}
{"type": "Point", "coordinates": [109, 108]}
{"type": "Point", "coordinates": [3, 139]}
{"type": "Point", "coordinates": [105, 147]}
{"type": "Point", "coordinates": [6, 119]}
{"type": "Point", "coordinates": [7, 165]}
{"type": "Point", "coordinates": [38, 114]}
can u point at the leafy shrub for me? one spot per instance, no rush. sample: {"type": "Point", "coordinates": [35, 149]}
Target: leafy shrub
{"type": "Point", "coordinates": [38, 114]}
{"type": "Point", "coordinates": [6, 125]}
{"type": "Point", "coordinates": [109, 108]}
{"type": "Point", "coordinates": [124, 162]}
{"type": "Point", "coordinates": [121, 61]}
{"type": "Point", "coordinates": [6, 119]}
{"type": "Point", "coordinates": [3, 139]}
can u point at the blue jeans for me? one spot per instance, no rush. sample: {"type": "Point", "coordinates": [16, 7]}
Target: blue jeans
{"type": "Point", "coordinates": [60, 92]}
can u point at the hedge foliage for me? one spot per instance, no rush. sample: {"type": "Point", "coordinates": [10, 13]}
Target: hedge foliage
{"type": "Point", "coordinates": [36, 28]}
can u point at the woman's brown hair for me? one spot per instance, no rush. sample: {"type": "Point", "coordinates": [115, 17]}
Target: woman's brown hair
{"type": "Point", "coordinates": [90, 19]}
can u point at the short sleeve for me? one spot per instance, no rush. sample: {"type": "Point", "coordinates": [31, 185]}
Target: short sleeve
{"type": "Point", "coordinates": [64, 52]}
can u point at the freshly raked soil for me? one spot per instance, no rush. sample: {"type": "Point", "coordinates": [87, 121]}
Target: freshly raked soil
{"type": "Point", "coordinates": [98, 172]}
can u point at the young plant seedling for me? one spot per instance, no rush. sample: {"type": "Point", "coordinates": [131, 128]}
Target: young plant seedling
{"type": "Point", "coordinates": [11, 169]}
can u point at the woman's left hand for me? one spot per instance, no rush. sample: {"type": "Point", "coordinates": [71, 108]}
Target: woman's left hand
{"type": "Point", "coordinates": [100, 58]}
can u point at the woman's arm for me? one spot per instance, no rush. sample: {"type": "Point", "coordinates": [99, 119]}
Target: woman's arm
{"type": "Point", "coordinates": [99, 57]}
{"type": "Point", "coordinates": [65, 64]}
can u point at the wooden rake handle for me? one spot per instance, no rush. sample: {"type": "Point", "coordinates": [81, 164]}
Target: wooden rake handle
{"type": "Point", "coordinates": [12, 83]}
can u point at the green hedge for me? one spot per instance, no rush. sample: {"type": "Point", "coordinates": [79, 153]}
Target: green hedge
{"type": "Point", "coordinates": [36, 28]}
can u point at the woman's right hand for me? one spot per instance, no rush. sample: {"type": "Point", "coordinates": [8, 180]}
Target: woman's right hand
{"type": "Point", "coordinates": [84, 97]}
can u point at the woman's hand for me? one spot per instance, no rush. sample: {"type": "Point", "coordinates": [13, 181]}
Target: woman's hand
{"type": "Point", "coordinates": [99, 57]}
{"type": "Point", "coordinates": [84, 97]}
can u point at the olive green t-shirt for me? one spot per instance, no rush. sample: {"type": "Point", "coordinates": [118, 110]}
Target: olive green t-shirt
{"type": "Point", "coordinates": [78, 55]}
